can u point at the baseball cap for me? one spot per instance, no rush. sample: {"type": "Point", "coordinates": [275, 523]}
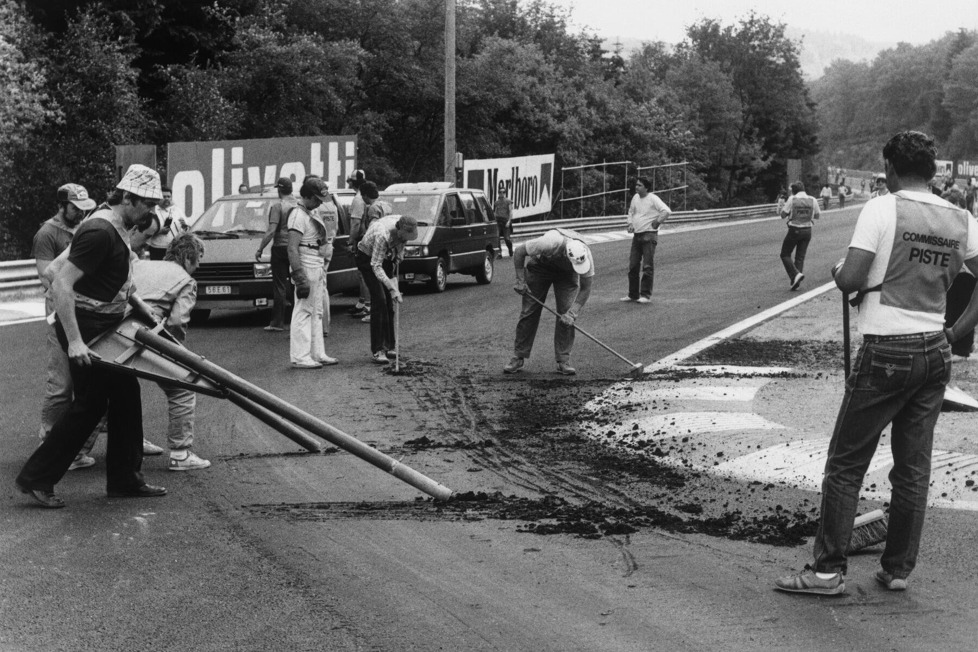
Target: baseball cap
{"type": "Point", "coordinates": [357, 175]}
{"type": "Point", "coordinates": [284, 183]}
{"type": "Point", "coordinates": [879, 177]}
{"type": "Point", "coordinates": [578, 254]}
{"type": "Point", "coordinates": [314, 187]}
{"type": "Point", "coordinates": [77, 195]}
{"type": "Point", "coordinates": [142, 181]}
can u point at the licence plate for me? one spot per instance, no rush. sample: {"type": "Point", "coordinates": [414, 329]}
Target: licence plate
{"type": "Point", "coordinates": [217, 289]}
{"type": "Point", "coordinates": [409, 276]}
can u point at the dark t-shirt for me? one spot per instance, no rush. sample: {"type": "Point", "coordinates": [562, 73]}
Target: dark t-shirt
{"type": "Point", "coordinates": [50, 240]}
{"type": "Point", "coordinates": [104, 257]}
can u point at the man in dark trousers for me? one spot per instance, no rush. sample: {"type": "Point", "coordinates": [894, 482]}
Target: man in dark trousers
{"type": "Point", "coordinates": [906, 250]}
{"type": "Point", "coordinates": [558, 258]}
{"type": "Point", "coordinates": [278, 235]}
{"type": "Point", "coordinates": [91, 293]}
{"type": "Point", "coordinates": [801, 211]}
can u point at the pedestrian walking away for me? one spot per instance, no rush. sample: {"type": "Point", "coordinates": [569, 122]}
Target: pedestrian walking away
{"type": "Point", "coordinates": [378, 255]}
{"type": "Point", "coordinates": [801, 210]}
{"type": "Point", "coordinates": [502, 210]}
{"type": "Point", "coordinates": [906, 250]}
{"type": "Point", "coordinates": [91, 293]}
{"type": "Point", "coordinates": [646, 213]}
{"type": "Point", "coordinates": [170, 290]}
{"type": "Point", "coordinates": [278, 235]}
{"type": "Point", "coordinates": [558, 258]}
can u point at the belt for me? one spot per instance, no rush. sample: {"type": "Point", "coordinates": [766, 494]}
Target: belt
{"type": "Point", "coordinates": [310, 246]}
{"type": "Point", "coordinates": [909, 337]}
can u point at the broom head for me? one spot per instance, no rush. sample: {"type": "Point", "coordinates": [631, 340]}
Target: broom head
{"type": "Point", "coordinates": [867, 530]}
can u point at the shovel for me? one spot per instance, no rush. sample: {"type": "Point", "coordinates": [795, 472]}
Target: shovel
{"type": "Point", "coordinates": [636, 368]}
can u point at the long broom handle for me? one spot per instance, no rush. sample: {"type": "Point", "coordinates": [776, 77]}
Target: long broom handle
{"type": "Point", "coordinates": [845, 333]}
{"type": "Point", "coordinates": [293, 414]}
{"type": "Point", "coordinates": [583, 332]}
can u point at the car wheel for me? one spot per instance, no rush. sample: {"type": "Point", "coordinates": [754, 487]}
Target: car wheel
{"type": "Point", "coordinates": [199, 316]}
{"type": "Point", "coordinates": [483, 275]}
{"type": "Point", "coordinates": [439, 280]}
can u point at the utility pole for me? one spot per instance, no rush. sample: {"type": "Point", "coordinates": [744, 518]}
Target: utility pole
{"type": "Point", "coordinates": [449, 167]}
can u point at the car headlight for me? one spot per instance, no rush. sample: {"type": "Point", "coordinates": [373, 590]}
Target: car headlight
{"type": "Point", "coordinates": [416, 251]}
{"type": "Point", "coordinates": [263, 270]}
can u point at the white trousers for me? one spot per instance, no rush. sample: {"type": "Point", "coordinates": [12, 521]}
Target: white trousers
{"type": "Point", "coordinates": [306, 333]}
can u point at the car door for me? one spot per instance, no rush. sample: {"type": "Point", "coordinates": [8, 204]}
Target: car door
{"type": "Point", "coordinates": [456, 234]}
{"type": "Point", "coordinates": [470, 246]}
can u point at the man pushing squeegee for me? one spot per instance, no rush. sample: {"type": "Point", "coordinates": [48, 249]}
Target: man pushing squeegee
{"type": "Point", "coordinates": [558, 258]}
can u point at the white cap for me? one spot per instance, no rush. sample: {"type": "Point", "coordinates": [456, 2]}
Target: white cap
{"type": "Point", "coordinates": [577, 253]}
{"type": "Point", "coordinates": [142, 181]}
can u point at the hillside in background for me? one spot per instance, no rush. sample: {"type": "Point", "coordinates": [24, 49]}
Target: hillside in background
{"type": "Point", "coordinates": [818, 49]}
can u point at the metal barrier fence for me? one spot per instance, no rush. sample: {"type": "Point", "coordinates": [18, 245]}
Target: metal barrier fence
{"type": "Point", "coordinates": [18, 278]}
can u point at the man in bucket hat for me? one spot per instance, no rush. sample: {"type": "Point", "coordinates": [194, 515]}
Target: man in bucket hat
{"type": "Point", "coordinates": [91, 292]}
{"type": "Point", "coordinates": [559, 258]}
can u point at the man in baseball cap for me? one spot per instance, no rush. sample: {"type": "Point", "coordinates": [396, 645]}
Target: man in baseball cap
{"type": "Point", "coordinates": [77, 195]}
{"type": "Point", "coordinates": [559, 258]}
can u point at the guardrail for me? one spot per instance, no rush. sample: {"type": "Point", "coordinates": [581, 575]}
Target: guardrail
{"type": "Point", "coordinates": [18, 279]}
{"type": "Point", "coordinates": [614, 222]}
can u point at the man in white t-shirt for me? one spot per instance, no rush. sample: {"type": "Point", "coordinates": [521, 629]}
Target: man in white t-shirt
{"type": "Point", "coordinates": [906, 250]}
{"type": "Point", "coordinates": [646, 213]}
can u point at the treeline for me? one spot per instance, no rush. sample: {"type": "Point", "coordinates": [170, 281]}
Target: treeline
{"type": "Point", "coordinates": [82, 76]}
{"type": "Point", "coordinates": [932, 88]}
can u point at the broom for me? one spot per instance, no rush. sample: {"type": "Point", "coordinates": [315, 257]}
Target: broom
{"type": "Point", "coordinates": [867, 530]}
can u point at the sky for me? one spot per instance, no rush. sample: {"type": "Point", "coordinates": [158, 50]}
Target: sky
{"type": "Point", "coordinates": [881, 21]}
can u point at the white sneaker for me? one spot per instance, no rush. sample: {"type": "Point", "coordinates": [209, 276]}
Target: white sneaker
{"type": "Point", "coordinates": [326, 360]}
{"type": "Point", "coordinates": [149, 448]}
{"type": "Point", "coordinates": [643, 300]}
{"type": "Point", "coordinates": [186, 460]}
{"type": "Point", "coordinates": [82, 461]}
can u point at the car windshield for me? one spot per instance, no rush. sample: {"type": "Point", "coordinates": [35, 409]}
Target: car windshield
{"type": "Point", "coordinates": [234, 217]}
{"type": "Point", "coordinates": [421, 207]}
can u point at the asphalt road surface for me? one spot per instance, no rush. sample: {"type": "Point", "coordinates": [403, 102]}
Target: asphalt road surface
{"type": "Point", "coordinates": [276, 549]}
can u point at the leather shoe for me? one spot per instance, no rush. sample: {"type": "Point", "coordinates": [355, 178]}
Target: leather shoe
{"type": "Point", "coordinates": [514, 365]}
{"type": "Point", "coordinates": [565, 369]}
{"type": "Point", "coordinates": [44, 498]}
{"type": "Point", "coordinates": [142, 491]}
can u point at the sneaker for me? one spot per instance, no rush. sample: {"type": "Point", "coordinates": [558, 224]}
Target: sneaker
{"type": "Point", "coordinates": [391, 355]}
{"type": "Point", "coordinates": [626, 299]}
{"type": "Point", "coordinates": [366, 319]}
{"type": "Point", "coordinates": [644, 300]}
{"type": "Point", "coordinates": [186, 460]}
{"type": "Point", "coordinates": [327, 361]}
{"type": "Point", "coordinates": [307, 365]}
{"type": "Point", "coordinates": [82, 461]}
{"type": "Point", "coordinates": [380, 358]}
{"type": "Point", "coordinates": [799, 277]}
{"type": "Point", "coordinates": [514, 365]}
{"type": "Point", "coordinates": [890, 582]}
{"type": "Point", "coordinates": [149, 448]}
{"type": "Point", "coordinates": [808, 582]}
{"type": "Point", "coordinates": [565, 369]}
{"type": "Point", "coordinates": [274, 329]}
{"type": "Point", "coordinates": [960, 359]}
{"type": "Point", "coordinates": [357, 308]}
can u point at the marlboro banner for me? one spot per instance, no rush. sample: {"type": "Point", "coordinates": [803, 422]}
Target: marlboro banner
{"type": "Point", "coordinates": [527, 180]}
{"type": "Point", "coordinates": [202, 172]}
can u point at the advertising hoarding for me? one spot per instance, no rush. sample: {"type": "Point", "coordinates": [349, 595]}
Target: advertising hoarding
{"type": "Point", "coordinates": [201, 172]}
{"type": "Point", "coordinates": [527, 180]}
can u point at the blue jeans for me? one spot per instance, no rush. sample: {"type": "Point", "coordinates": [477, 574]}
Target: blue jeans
{"type": "Point", "coordinates": [641, 263]}
{"type": "Point", "coordinates": [899, 380]}
{"type": "Point", "coordinates": [795, 240]}
{"type": "Point", "coordinates": [281, 286]}
{"type": "Point", "coordinates": [538, 282]}
{"type": "Point", "coordinates": [382, 336]}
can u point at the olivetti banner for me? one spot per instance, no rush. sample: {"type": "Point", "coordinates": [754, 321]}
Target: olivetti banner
{"type": "Point", "coordinates": [202, 172]}
{"type": "Point", "coordinates": [527, 180]}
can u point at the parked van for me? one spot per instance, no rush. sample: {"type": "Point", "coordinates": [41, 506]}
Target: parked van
{"type": "Point", "coordinates": [457, 233]}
